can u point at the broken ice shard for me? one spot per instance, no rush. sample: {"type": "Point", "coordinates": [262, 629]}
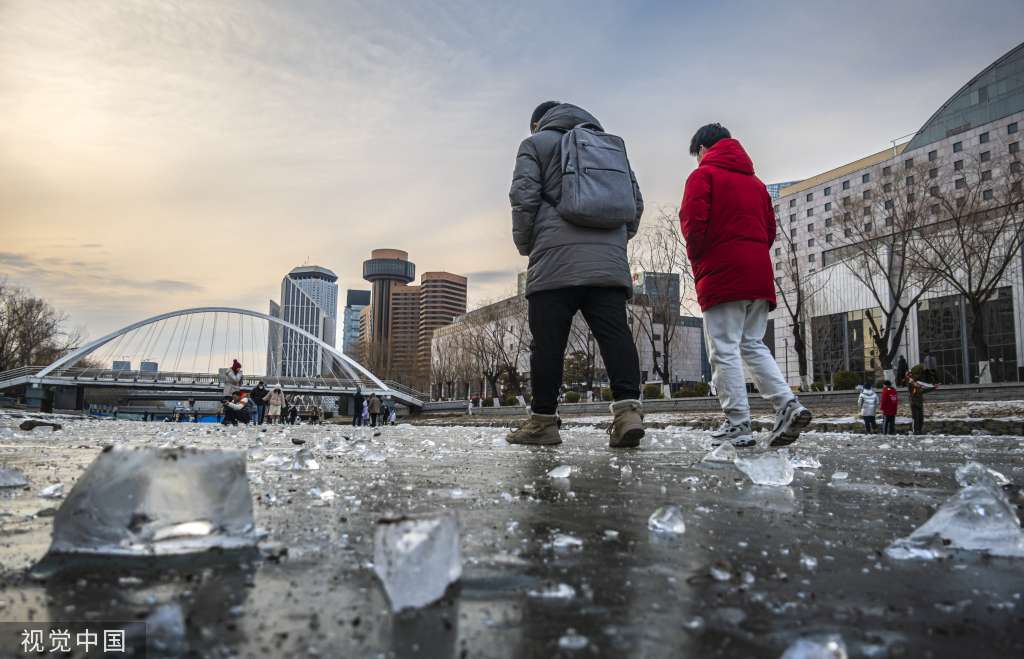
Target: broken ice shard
{"type": "Point", "coordinates": [12, 477]}
{"type": "Point", "coordinates": [146, 501]}
{"type": "Point", "coordinates": [767, 469]}
{"type": "Point", "coordinates": [827, 647]}
{"type": "Point", "coordinates": [667, 519]}
{"type": "Point", "coordinates": [416, 557]}
{"type": "Point", "coordinates": [374, 456]}
{"type": "Point", "coordinates": [805, 462]}
{"type": "Point", "coordinates": [723, 456]}
{"type": "Point", "coordinates": [303, 460]}
{"type": "Point", "coordinates": [978, 517]}
{"type": "Point", "coordinates": [566, 540]}
{"type": "Point", "coordinates": [554, 591]}
{"type": "Point", "coordinates": [560, 472]}
{"type": "Point", "coordinates": [257, 452]}
{"type": "Point", "coordinates": [51, 492]}
{"type": "Point", "coordinates": [572, 641]}
{"type": "Point", "coordinates": [975, 473]}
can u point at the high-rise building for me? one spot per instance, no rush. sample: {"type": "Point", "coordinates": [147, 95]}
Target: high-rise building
{"type": "Point", "coordinates": [309, 300]}
{"type": "Point", "coordinates": [355, 301]}
{"type": "Point", "coordinates": [442, 298]}
{"type": "Point", "coordinates": [386, 269]}
{"type": "Point", "coordinates": [775, 188]}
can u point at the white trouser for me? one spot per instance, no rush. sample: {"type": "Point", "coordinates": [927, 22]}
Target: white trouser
{"type": "Point", "coordinates": [734, 333]}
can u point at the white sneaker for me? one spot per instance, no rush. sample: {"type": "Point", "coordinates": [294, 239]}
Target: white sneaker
{"type": "Point", "coordinates": [789, 421]}
{"type": "Point", "coordinates": [739, 436]}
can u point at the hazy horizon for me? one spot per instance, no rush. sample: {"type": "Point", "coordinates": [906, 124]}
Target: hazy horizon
{"type": "Point", "coordinates": [172, 155]}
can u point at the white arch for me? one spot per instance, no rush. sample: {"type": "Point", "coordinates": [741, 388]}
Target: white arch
{"type": "Point", "coordinates": [73, 357]}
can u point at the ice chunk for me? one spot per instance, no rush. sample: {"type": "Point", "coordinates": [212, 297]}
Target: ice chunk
{"type": "Point", "coordinates": [416, 557]}
{"type": "Point", "coordinates": [39, 431]}
{"type": "Point", "coordinates": [826, 647]}
{"type": "Point", "coordinates": [627, 471]}
{"type": "Point", "coordinates": [560, 472]}
{"type": "Point", "coordinates": [978, 517]}
{"type": "Point", "coordinates": [12, 477]}
{"type": "Point", "coordinates": [51, 492]}
{"type": "Point", "coordinates": [808, 562]}
{"type": "Point", "coordinates": [767, 469]}
{"type": "Point", "coordinates": [667, 519]}
{"type": "Point", "coordinates": [974, 473]}
{"type": "Point", "coordinates": [256, 452]}
{"type": "Point", "coordinates": [277, 461]}
{"type": "Point", "coordinates": [723, 456]}
{"type": "Point", "coordinates": [554, 591]}
{"type": "Point", "coordinates": [805, 462]}
{"type": "Point", "coordinates": [375, 456]}
{"type": "Point", "coordinates": [303, 460]}
{"type": "Point", "coordinates": [145, 501]}
{"type": "Point", "coordinates": [327, 495]}
{"type": "Point", "coordinates": [566, 540]}
{"type": "Point", "coordinates": [840, 476]}
{"type": "Point", "coordinates": [572, 641]}
{"type": "Point", "coordinates": [6, 433]}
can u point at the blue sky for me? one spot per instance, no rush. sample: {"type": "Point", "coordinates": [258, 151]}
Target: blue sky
{"type": "Point", "coordinates": [156, 156]}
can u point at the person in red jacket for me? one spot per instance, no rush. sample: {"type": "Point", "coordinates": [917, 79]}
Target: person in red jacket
{"type": "Point", "coordinates": [890, 399]}
{"type": "Point", "coordinates": [729, 226]}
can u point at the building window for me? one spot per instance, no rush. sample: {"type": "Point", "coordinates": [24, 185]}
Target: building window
{"type": "Point", "coordinates": [810, 227]}
{"type": "Point", "coordinates": [846, 185]}
{"type": "Point", "coordinates": [828, 237]}
{"type": "Point", "coordinates": [934, 191]}
{"type": "Point", "coordinates": [810, 212]}
{"type": "Point", "coordinates": [958, 166]}
{"type": "Point", "coordinates": [866, 178]}
{"type": "Point", "coordinates": [986, 156]}
{"type": "Point", "coordinates": [887, 187]}
{"type": "Point", "coordinates": [911, 197]}
{"type": "Point", "coordinates": [960, 183]}
{"type": "Point", "coordinates": [1011, 129]}
{"type": "Point", "coordinates": [958, 147]}
{"type": "Point", "coordinates": [983, 137]}
{"type": "Point", "coordinates": [933, 173]}
{"type": "Point", "coordinates": [1015, 167]}
{"type": "Point", "coordinates": [792, 203]}
{"type": "Point", "coordinates": [935, 209]}
{"type": "Point", "coordinates": [1015, 147]}
{"type": "Point", "coordinates": [847, 232]}
{"type": "Point", "coordinates": [867, 211]}
{"type": "Point", "coordinates": [911, 216]}
{"type": "Point", "coordinates": [932, 155]}
{"type": "Point", "coordinates": [846, 201]}
{"type": "Point", "coordinates": [987, 195]}
{"type": "Point", "coordinates": [778, 281]}
{"type": "Point", "coordinates": [908, 163]}
{"type": "Point", "coordinates": [792, 218]}
{"type": "Point", "coordinates": [986, 175]}
{"type": "Point", "coordinates": [810, 243]}
{"type": "Point", "coordinates": [778, 251]}
{"type": "Point", "coordinates": [792, 247]}
{"type": "Point", "coordinates": [847, 217]}
{"type": "Point", "coordinates": [888, 221]}
{"type": "Point", "coordinates": [810, 197]}
{"type": "Point", "coordinates": [960, 201]}
{"type": "Point", "coordinates": [910, 181]}
{"type": "Point", "coordinates": [776, 208]}
{"type": "Point", "coordinates": [828, 206]}
{"type": "Point", "coordinates": [792, 262]}
{"type": "Point", "coordinates": [867, 227]}
{"type": "Point", "coordinates": [828, 221]}
{"type": "Point", "coordinates": [810, 258]}
{"type": "Point", "coordinates": [888, 204]}
{"type": "Point", "coordinates": [828, 191]}
{"type": "Point", "coordinates": [866, 194]}
{"type": "Point", "coordinates": [792, 233]}
{"type": "Point", "coordinates": [886, 171]}
{"type": "Point", "coordinates": [778, 265]}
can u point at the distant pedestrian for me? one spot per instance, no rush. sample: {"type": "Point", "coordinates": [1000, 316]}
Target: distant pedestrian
{"type": "Point", "coordinates": [577, 246]}
{"type": "Point", "coordinates": [293, 414]}
{"type": "Point", "coordinates": [867, 402]}
{"type": "Point", "coordinates": [890, 400]}
{"type": "Point", "coordinates": [917, 390]}
{"type": "Point", "coordinates": [358, 402]}
{"type": "Point", "coordinates": [729, 226]}
{"type": "Point", "coordinates": [373, 405]}
{"type": "Point", "coordinates": [391, 416]}
{"type": "Point", "coordinates": [314, 416]}
{"type": "Point", "coordinates": [382, 417]}
{"type": "Point", "coordinates": [275, 401]}
{"type": "Point", "coordinates": [234, 410]}
{"type": "Point", "coordinates": [901, 369]}
{"type": "Point", "coordinates": [366, 414]}
{"type": "Point", "coordinates": [259, 396]}
{"type": "Point", "coordinates": [233, 378]}
{"type": "Point", "coordinates": [931, 368]}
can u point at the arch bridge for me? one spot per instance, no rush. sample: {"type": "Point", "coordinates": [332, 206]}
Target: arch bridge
{"type": "Point", "coordinates": [184, 354]}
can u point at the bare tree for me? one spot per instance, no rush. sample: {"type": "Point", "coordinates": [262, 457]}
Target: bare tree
{"type": "Point", "coordinates": [977, 212]}
{"type": "Point", "coordinates": [799, 287]}
{"type": "Point", "coordinates": [32, 331]}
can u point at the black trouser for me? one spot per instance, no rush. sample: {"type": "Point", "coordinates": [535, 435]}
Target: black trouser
{"type": "Point", "coordinates": [373, 419]}
{"type": "Point", "coordinates": [235, 416]}
{"type": "Point", "coordinates": [869, 425]}
{"type": "Point", "coordinates": [889, 424]}
{"type": "Point", "coordinates": [357, 418]}
{"type": "Point", "coordinates": [918, 414]}
{"type": "Point", "coordinates": [604, 309]}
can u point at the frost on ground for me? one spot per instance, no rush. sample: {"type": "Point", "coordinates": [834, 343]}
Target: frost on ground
{"type": "Point", "coordinates": [544, 557]}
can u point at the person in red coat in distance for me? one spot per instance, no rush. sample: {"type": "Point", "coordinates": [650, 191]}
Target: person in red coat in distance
{"type": "Point", "coordinates": [729, 227]}
{"type": "Point", "coordinates": [889, 404]}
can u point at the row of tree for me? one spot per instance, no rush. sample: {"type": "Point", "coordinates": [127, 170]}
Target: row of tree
{"type": "Point", "coordinates": [32, 331]}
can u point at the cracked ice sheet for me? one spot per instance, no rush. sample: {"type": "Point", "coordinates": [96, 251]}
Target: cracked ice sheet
{"type": "Point", "coordinates": [632, 589]}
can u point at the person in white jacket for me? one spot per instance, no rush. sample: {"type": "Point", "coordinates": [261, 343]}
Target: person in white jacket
{"type": "Point", "coordinates": [868, 403]}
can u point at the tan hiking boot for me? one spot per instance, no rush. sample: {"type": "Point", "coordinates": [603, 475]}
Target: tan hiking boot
{"type": "Point", "coordinates": [540, 430]}
{"type": "Point", "coordinates": [628, 425]}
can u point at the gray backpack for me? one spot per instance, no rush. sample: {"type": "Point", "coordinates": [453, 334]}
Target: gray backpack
{"type": "Point", "coordinates": [597, 189]}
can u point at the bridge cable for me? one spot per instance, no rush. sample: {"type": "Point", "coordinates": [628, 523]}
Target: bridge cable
{"type": "Point", "coordinates": [170, 340]}
{"type": "Point", "coordinates": [213, 334]}
{"type": "Point", "coordinates": [199, 340]}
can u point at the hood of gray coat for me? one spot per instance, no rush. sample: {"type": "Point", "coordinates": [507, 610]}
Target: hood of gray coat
{"type": "Point", "coordinates": [565, 117]}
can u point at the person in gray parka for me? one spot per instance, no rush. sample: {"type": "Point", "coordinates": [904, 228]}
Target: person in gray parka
{"type": "Point", "coordinates": [572, 268]}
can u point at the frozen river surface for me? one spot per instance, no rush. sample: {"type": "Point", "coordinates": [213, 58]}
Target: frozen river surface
{"type": "Point", "coordinates": [551, 566]}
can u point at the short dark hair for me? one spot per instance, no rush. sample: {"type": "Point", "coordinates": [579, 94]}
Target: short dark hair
{"type": "Point", "coordinates": [541, 110]}
{"type": "Point", "coordinates": [707, 137]}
